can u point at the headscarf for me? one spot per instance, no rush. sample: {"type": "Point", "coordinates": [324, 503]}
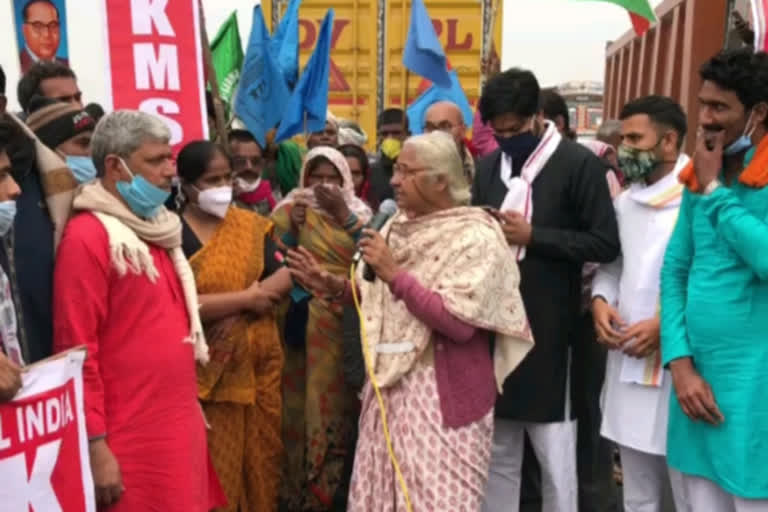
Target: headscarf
{"type": "Point", "coordinates": [354, 203]}
{"type": "Point", "coordinates": [288, 166]}
{"type": "Point", "coordinates": [351, 133]}
{"type": "Point", "coordinates": [597, 147]}
{"type": "Point", "coordinates": [600, 149]}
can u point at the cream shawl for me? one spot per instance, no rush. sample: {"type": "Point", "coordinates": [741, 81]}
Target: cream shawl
{"type": "Point", "coordinates": [57, 180]}
{"type": "Point", "coordinates": [460, 253]}
{"type": "Point", "coordinates": [128, 239]}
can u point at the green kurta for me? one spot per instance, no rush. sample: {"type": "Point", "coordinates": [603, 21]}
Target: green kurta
{"type": "Point", "coordinates": [715, 309]}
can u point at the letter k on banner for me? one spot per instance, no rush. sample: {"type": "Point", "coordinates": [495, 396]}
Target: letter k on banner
{"type": "Point", "coordinates": [155, 63]}
{"type": "Point", "coordinates": [44, 464]}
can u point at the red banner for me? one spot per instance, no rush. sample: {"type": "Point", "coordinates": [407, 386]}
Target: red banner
{"type": "Point", "coordinates": [44, 463]}
{"type": "Point", "coordinates": [155, 63]}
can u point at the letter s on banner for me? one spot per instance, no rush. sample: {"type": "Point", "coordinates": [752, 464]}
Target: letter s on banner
{"type": "Point", "coordinates": [154, 63]}
{"type": "Point", "coordinates": [159, 107]}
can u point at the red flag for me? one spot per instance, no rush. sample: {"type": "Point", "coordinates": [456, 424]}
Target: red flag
{"type": "Point", "coordinates": [640, 12]}
{"type": "Point", "coordinates": [640, 24]}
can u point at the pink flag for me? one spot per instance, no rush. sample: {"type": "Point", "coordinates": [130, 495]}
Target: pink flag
{"type": "Point", "coordinates": [759, 9]}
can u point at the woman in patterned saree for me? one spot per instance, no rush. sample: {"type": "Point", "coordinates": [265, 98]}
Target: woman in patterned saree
{"type": "Point", "coordinates": [447, 282]}
{"type": "Point", "coordinates": [239, 281]}
{"type": "Point", "coordinates": [324, 216]}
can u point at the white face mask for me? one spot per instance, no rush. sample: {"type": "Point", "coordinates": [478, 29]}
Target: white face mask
{"type": "Point", "coordinates": [215, 200]}
{"type": "Point", "coordinates": [247, 186]}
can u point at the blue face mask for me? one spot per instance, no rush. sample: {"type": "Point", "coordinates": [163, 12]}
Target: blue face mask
{"type": "Point", "coordinates": [82, 167]}
{"type": "Point", "coordinates": [743, 143]}
{"type": "Point", "coordinates": [7, 215]}
{"type": "Point", "coordinates": [143, 198]}
{"type": "Point", "coordinates": [518, 147]}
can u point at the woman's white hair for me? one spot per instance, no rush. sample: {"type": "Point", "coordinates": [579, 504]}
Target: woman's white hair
{"type": "Point", "coordinates": [438, 153]}
{"type": "Point", "coordinates": [122, 132]}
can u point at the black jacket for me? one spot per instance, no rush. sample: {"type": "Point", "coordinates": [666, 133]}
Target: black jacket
{"type": "Point", "coordinates": [27, 255]}
{"type": "Point", "coordinates": [573, 222]}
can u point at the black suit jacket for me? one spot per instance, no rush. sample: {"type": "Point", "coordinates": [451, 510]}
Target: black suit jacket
{"type": "Point", "coordinates": [573, 222]}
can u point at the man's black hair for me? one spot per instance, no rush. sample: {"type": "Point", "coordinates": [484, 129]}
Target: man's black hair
{"type": "Point", "coordinates": [29, 85]}
{"type": "Point", "coordinates": [25, 11]}
{"type": "Point", "coordinates": [662, 111]}
{"type": "Point", "coordinates": [238, 135]}
{"type": "Point", "coordinates": [2, 81]}
{"type": "Point", "coordinates": [553, 105]}
{"type": "Point", "coordinates": [741, 71]}
{"type": "Point", "coordinates": [393, 116]}
{"type": "Point", "coordinates": [8, 134]}
{"type": "Point", "coordinates": [515, 91]}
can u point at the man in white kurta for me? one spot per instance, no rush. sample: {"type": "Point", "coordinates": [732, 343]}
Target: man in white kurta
{"type": "Point", "coordinates": [635, 398]}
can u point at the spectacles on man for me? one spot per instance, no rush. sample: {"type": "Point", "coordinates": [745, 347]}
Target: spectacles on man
{"type": "Point", "coordinates": [72, 98]}
{"type": "Point", "coordinates": [240, 163]}
{"type": "Point", "coordinates": [39, 27]}
{"type": "Point", "coordinates": [444, 126]}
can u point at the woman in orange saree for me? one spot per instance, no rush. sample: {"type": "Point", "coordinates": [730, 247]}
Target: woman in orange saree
{"type": "Point", "coordinates": [239, 281]}
{"type": "Point", "coordinates": [324, 216]}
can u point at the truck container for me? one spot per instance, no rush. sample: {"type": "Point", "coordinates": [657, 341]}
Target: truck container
{"type": "Point", "coordinates": [666, 59]}
{"type": "Point", "coordinates": [366, 74]}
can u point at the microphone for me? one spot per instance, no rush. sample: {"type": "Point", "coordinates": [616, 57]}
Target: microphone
{"type": "Point", "coordinates": [387, 209]}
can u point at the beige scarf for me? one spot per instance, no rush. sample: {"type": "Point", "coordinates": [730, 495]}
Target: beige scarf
{"type": "Point", "coordinates": [57, 180]}
{"type": "Point", "coordinates": [460, 253]}
{"type": "Point", "coordinates": [128, 239]}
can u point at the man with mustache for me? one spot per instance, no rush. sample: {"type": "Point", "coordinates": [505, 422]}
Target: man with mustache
{"type": "Point", "coordinates": [123, 288]}
{"type": "Point", "coordinates": [714, 295]}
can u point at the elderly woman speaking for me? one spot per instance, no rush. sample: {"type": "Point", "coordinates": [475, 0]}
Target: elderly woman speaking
{"type": "Point", "coordinates": [447, 284]}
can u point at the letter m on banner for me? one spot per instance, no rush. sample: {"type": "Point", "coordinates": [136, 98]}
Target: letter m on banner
{"type": "Point", "coordinates": [44, 464]}
{"type": "Point", "coordinates": [155, 64]}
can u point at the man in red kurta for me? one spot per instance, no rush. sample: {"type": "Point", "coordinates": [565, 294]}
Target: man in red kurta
{"type": "Point", "coordinates": [123, 288]}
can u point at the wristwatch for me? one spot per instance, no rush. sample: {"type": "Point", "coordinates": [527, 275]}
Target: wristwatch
{"type": "Point", "coordinates": [713, 185]}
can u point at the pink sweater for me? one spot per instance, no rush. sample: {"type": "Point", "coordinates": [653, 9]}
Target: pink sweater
{"type": "Point", "coordinates": [463, 366]}
{"type": "Point", "coordinates": [482, 137]}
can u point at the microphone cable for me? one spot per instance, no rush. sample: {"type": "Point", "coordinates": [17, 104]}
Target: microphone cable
{"type": "Point", "coordinates": [377, 391]}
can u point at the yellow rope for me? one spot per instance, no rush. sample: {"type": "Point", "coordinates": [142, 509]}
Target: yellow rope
{"type": "Point", "coordinates": [369, 369]}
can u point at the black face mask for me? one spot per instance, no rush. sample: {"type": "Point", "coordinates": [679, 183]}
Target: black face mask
{"type": "Point", "coordinates": [518, 147]}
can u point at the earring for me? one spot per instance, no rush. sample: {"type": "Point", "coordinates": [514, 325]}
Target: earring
{"type": "Point", "coordinates": [180, 199]}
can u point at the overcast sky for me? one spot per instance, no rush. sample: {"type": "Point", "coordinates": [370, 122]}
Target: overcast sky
{"type": "Point", "coordinates": [560, 40]}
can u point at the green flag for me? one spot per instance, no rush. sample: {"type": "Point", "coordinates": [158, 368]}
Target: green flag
{"type": "Point", "coordinates": [227, 55]}
{"type": "Point", "coordinates": [640, 12]}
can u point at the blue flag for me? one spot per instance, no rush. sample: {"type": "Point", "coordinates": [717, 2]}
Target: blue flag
{"type": "Point", "coordinates": [263, 91]}
{"type": "Point", "coordinates": [455, 94]}
{"type": "Point", "coordinates": [308, 106]}
{"type": "Point", "coordinates": [284, 45]}
{"type": "Point", "coordinates": [423, 52]}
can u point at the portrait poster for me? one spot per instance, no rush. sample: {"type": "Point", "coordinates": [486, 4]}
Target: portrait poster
{"type": "Point", "coordinates": [41, 31]}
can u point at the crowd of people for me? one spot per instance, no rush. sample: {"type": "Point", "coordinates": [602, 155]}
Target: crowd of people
{"type": "Point", "coordinates": [537, 313]}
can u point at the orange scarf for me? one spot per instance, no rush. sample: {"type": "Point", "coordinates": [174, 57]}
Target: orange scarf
{"type": "Point", "coordinates": [755, 175]}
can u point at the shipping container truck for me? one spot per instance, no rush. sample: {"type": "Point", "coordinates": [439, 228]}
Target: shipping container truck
{"type": "Point", "coordinates": [666, 59]}
{"type": "Point", "coordinates": [367, 42]}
